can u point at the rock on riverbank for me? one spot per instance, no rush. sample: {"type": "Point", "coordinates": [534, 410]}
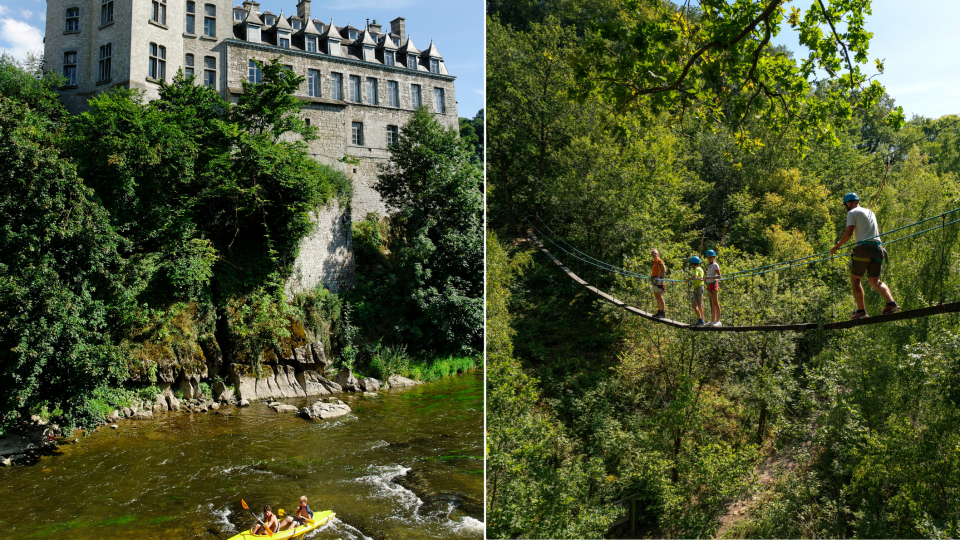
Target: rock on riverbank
{"type": "Point", "coordinates": [331, 408]}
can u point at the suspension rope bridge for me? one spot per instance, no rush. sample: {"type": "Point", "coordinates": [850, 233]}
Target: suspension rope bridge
{"type": "Point", "coordinates": [951, 307]}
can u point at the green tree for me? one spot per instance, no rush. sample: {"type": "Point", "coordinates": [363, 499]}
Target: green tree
{"type": "Point", "coordinates": [433, 192]}
{"type": "Point", "coordinates": [62, 286]}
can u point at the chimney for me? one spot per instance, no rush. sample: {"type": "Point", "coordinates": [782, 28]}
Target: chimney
{"type": "Point", "coordinates": [303, 10]}
{"type": "Point", "coordinates": [375, 28]}
{"type": "Point", "coordinates": [251, 6]}
{"type": "Point", "coordinates": [397, 27]}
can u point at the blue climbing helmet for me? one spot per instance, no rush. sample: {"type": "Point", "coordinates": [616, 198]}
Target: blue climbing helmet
{"type": "Point", "coordinates": [694, 260]}
{"type": "Point", "coordinates": [850, 197]}
{"type": "Point", "coordinates": [710, 253]}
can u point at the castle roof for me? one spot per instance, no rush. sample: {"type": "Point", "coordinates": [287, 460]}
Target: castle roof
{"type": "Point", "coordinates": [253, 18]}
{"type": "Point", "coordinates": [331, 31]}
{"type": "Point", "coordinates": [282, 23]}
{"type": "Point", "coordinates": [432, 51]}
{"type": "Point", "coordinates": [268, 12]}
{"type": "Point", "coordinates": [367, 39]}
{"type": "Point", "coordinates": [310, 28]}
{"type": "Point", "coordinates": [387, 42]}
{"type": "Point", "coordinates": [409, 47]}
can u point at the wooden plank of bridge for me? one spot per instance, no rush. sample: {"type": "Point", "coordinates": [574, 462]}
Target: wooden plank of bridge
{"type": "Point", "coordinates": [795, 327]}
{"type": "Point", "coordinates": [952, 307]}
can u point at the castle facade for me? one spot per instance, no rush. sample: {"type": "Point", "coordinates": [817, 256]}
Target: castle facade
{"type": "Point", "coordinates": [361, 87]}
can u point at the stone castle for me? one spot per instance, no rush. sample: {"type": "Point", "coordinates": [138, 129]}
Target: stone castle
{"type": "Point", "coordinates": [361, 87]}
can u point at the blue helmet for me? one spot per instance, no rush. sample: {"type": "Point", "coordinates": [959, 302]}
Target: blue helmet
{"type": "Point", "coordinates": [694, 260]}
{"type": "Point", "coordinates": [850, 197]}
{"type": "Point", "coordinates": [710, 253]}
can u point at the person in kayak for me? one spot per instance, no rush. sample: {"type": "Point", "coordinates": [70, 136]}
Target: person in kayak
{"type": "Point", "coordinates": [300, 517]}
{"type": "Point", "coordinates": [269, 519]}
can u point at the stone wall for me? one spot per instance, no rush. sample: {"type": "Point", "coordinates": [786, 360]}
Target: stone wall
{"type": "Point", "coordinates": [326, 256]}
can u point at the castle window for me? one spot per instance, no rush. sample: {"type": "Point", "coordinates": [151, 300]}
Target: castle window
{"type": "Point", "coordinates": [73, 19]}
{"type": "Point", "coordinates": [393, 135]}
{"type": "Point", "coordinates": [268, 20]}
{"type": "Point", "coordinates": [352, 34]}
{"type": "Point", "coordinates": [238, 14]}
{"type": "Point", "coordinates": [106, 12]}
{"type": "Point", "coordinates": [191, 17]}
{"type": "Point", "coordinates": [70, 68]}
{"type": "Point", "coordinates": [411, 61]}
{"type": "Point", "coordinates": [307, 120]}
{"type": "Point", "coordinates": [356, 133]}
{"type": "Point", "coordinates": [336, 86]}
{"type": "Point", "coordinates": [438, 102]}
{"type": "Point", "coordinates": [296, 24]}
{"type": "Point", "coordinates": [255, 74]}
{"type": "Point", "coordinates": [415, 97]}
{"type": "Point", "coordinates": [372, 97]}
{"type": "Point", "coordinates": [283, 40]}
{"type": "Point", "coordinates": [210, 20]}
{"type": "Point", "coordinates": [210, 71]}
{"type": "Point", "coordinates": [158, 61]}
{"type": "Point", "coordinates": [188, 63]}
{"type": "Point", "coordinates": [311, 44]}
{"type": "Point", "coordinates": [160, 11]}
{"type": "Point", "coordinates": [104, 71]}
{"type": "Point", "coordinates": [434, 65]}
{"type": "Point", "coordinates": [313, 82]}
{"type": "Point", "coordinates": [393, 93]}
{"type": "Point", "coordinates": [355, 89]}
{"type": "Point", "coordinates": [389, 58]}
{"type": "Point", "coordinates": [396, 41]}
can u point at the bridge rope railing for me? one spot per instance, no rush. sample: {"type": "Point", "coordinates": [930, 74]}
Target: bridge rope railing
{"type": "Point", "coordinates": [750, 272]}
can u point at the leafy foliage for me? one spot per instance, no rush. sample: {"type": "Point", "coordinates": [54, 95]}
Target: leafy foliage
{"type": "Point", "coordinates": [425, 287]}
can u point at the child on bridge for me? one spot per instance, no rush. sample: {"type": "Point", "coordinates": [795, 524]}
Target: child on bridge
{"type": "Point", "coordinates": [713, 287]}
{"type": "Point", "coordinates": [697, 291]}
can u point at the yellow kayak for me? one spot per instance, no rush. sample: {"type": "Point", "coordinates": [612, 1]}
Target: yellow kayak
{"type": "Point", "coordinates": [319, 519]}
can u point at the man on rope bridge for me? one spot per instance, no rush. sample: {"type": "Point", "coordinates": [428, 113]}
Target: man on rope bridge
{"type": "Point", "coordinates": [867, 257]}
{"type": "Point", "coordinates": [658, 274]}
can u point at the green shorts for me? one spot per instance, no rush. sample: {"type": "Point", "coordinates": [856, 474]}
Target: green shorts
{"type": "Point", "coordinates": [697, 293]}
{"type": "Point", "coordinates": [867, 259]}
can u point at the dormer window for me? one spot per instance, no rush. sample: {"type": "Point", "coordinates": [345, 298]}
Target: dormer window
{"type": "Point", "coordinates": [311, 44]}
{"type": "Point", "coordinates": [296, 24]}
{"type": "Point", "coordinates": [283, 40]}
{"type": "Point", "coordinates": [238, 14]}
{"type": "Point", "coordinates": [434, 65]}
{"type": "Point", "coordinates": [268, 20]}
{"type": "Point", "coordinates": [411, 62]}
{"type": "Point", "coordinates": [351, 34]}
{"type": "Point", "coordinates": [389, 58]}
{"type": "Point", "coordinates": [396, 41]}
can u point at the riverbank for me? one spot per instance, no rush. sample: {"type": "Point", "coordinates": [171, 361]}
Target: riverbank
{"type": "Point", "coordinates": [404, 463]}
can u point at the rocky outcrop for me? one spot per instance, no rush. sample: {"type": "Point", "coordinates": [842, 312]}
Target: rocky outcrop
{"type": "Point", "coordinates": [272, 383]}
{"type": "Point", "coordinates": [36, 438]}
{"type": "Point", "coordinates": [313, 383]}
{"type": "Point", "coordinates": [325, 409]}
{"type": "Point", "coordinates": [160, 404]}
{"type": "Point", "coordinates": [222, 392]}
{"type": "Point", "coordinates": [369, 384]}
{"type": "Point", "coordinates": [347, 381]}
{"type": "Point", "coordinates": [396, 381]}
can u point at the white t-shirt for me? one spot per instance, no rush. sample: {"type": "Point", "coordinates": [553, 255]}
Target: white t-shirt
{"type": "Point", "coordinates": [713, 270]}
{"type": "Point", "coordinates": [865, 223]}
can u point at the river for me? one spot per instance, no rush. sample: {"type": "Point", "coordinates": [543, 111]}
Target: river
{"type": "Point", "coordinates": [407, 464]}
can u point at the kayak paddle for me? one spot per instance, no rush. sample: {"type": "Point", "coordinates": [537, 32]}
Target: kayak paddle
{"type": "Point", "coordinates": [247, 508]}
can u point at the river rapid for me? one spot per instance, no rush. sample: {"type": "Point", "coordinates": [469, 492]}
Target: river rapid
{"type": "Point", "coordinates": [407, 464]}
